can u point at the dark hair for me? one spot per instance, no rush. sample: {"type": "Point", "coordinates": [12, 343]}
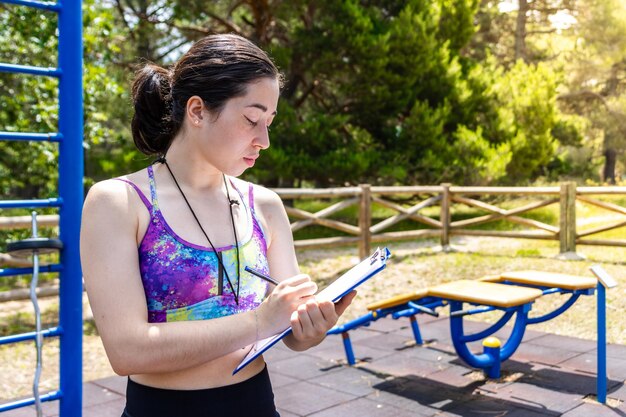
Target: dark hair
{"type": "Point", "coordinates": [216, 68]}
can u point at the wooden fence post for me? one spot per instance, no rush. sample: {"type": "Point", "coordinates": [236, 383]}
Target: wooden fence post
{"type": "Point", "coordinates": [445, 217]}
{"type": "Point", "coordinates": [365, 220]}
{"type": "Point", "coordinates": [567, 221]}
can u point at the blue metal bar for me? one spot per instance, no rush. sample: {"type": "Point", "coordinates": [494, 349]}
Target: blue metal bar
{"type": "Point", "coordinates": [408, 312]}
{"type": "Point", "coordinates": [51, 396]}
{"type": "Point", "coordinates": [28, 69]}
{"type": "Point", "coordinates": [10, 272]}
{"type": "Point", "coordinates": [353, 324]}
{"type": "Point", "coordinates": [35, 137]}
{"type": "Point", "coordinates": [347, 345]}
{"type": "Point", "coordinates": [423, 309]}
{"type": "Point", "coordinates": [549, 316]}
{"type": "Point", "coordinates": [71, 172]}
{"type": "Point", "coordinates": [471, 311]}
{"type": "Point", "coordinates": [490, 330]}
{"type": "Point", "coordinates": [48, 202]}
{"type": "Point", "coordinates": [416, 331]}
{"type": "Point", "coordinates": [601, 381]}
{"type": "Point", "coordinates": [15, 338]}
{"type": "Point", "coordinates": [485, 361]}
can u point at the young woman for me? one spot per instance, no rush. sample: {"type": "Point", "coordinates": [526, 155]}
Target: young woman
{"type": "Point", "coordinates": [164, 250]}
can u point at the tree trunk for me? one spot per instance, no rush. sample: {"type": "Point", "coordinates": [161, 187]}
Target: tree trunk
{"type": "Point", "coordinates": [610, 156]}
{"type": "Point", "coordinates": [520, 31]}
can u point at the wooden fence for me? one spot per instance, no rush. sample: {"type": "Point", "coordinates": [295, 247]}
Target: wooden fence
{"type": "Point", "coordinates": [439, 225]}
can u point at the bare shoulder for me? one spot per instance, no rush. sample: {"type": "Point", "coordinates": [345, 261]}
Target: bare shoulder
{"type": "Point", "coordinates": [267, 198]}
{"type": "Point", "coordinates": [113, 200]}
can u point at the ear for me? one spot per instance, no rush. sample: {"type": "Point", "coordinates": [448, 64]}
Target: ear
{"type": "Point", "coordinates": [195, 105]}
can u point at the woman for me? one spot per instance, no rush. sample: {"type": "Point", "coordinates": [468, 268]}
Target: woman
{"type": "Point", "coordinates": [164, 250]}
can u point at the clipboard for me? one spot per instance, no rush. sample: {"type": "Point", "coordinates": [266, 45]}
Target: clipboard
{"type": "Point", "coordinates": [341, 286]}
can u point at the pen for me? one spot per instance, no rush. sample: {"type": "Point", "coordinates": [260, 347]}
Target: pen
{"type": "Point", "coordinates": [261, 275]}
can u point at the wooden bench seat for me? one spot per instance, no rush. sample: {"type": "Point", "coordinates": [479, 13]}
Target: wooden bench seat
{"type": "Point", "coordinates": [545, 279]}
{"type": "Point", "coordinates": [485, 293]}
{"type": "Point", "coordinates": [398, 300]}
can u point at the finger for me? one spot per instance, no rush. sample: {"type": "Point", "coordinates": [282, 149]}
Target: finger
{"type": "Point", "coordinates": [305, 319]}
{"type": "Point", "coordinates": [317, 317]}
{"type": "Point", "coordinates": [295, 280]}
{"type": "Point", "coordinates": [296, 326]}
{"type": "Point", "coordinates": [345, 301]}
{"type": "Point", "coordinates": [303, 290]}
{"type": "Point", "coordinates": [327, 308]}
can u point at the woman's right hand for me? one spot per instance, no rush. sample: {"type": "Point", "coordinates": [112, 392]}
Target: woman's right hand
{"type": "Point", "coordinates": [275, 312]}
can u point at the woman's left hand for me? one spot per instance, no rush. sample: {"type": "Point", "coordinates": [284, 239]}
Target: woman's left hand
{"type": "Point", "coordinates": [312, 320]}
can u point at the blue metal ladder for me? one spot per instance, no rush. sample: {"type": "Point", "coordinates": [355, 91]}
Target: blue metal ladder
{"type": "Point", "coordinates": [69, 202]}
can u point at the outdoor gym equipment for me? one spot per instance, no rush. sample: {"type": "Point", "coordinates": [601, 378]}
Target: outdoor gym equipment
{"type": "Point", "coordinates": [69, 201]}
{"type": "Point", "coordinates": [36, 246]}
{"type": "Point", "coordinates": [512, 293]}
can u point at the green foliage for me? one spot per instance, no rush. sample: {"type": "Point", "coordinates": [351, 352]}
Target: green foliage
{"type": "Point", "coordinates": [376, 91]}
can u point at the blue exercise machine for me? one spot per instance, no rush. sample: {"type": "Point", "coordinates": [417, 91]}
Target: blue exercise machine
{"type": "Point", "coordinates": [512, 293]}
{"type": "Point", "coordinates": [69, 202]}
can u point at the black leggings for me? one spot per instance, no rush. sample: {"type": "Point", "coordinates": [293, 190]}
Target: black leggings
{"type": "Point", "coordinates": [253, 397]}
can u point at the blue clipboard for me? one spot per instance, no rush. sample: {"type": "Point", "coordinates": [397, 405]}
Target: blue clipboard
{"type": "Point", "coordinates": [337, 289]}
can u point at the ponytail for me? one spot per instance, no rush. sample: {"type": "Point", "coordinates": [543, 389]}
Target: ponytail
{"type": "Point", "coordinates": [152, 122]}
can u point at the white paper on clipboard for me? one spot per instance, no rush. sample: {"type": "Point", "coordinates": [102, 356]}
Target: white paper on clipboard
{"type": "Point", "coordinates": [340, 287]}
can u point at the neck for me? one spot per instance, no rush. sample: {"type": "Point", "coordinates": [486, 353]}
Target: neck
{"type": "Point", "coordinates": [191, 171]}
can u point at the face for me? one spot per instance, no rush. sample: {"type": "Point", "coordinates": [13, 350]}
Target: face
{"type": "Point", "coordinates": [233, 140]}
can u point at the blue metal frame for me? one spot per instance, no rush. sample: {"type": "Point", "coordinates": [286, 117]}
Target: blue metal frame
{"type": "Point", "coordinates": [492, 357]}
{"type": "Point", "coordinates": [70, 201]}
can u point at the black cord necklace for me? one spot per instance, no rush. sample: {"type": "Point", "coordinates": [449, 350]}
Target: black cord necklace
{"type": "Point", "coordinates": [231, 203]}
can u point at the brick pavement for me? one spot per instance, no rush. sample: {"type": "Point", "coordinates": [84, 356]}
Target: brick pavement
{"type": "Point", "coordinates": [549, 375]}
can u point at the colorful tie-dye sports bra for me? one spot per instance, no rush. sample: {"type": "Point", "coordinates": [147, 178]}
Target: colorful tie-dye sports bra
{"type": "Point", "coordinates": [184, 281]}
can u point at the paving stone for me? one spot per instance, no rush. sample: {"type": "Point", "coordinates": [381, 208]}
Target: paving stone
{"type": "Point", "coordinates": [427, 353]}
{"type": "Point", "coordinates": [303, 398]}
{"type": "Point", "coordinates": [593, 409]}
{"type": "Point", "coordinates": [109, 409]}
{"type": "Point", "coordinates": [115, 384]}
{"type": "Point", "coordinates": [536, 398]}
{"type": "Point", "coordinates": [481, 406]}
{"type": "Point", "coordinates": [618, 391]}
{"type": "Point", "coordinates": [303, 367]}
{"type": "Point", "coordinates": [560, 379]}
{"type": "Point", "coordinates": [279, 353]}
{"type": "Point", "coordinates": [94, 394]}
{"type": "Point", "coordinates": [401, 365]}
{"type": "Point", "coordinates": [279, 380]}
{"type": "Point", "coordinates": [361, 354]}
{"type": "Point", "coordinates": [388, 324]}
{"type": "Point", "coordinates": [364, 407]}
{"type": "Point", "coordinates": [417, 395]}
{"type": "Point", "coordinates": [455, 376]}
{"type": "Point", "coordinates": [616, 368]}
{"type": "Point", "coordinates": [564, 342]}
{"type": "Point", "coordinates": [355, 381]}
{"type": "Point", "coordinates": [284, 413]}
{"type": "Point", "coordinates": [386, 342]}
{"type": "Point", "coordinates": [529, 352]}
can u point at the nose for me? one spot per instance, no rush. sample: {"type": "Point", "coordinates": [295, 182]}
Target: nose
{"type": "Point", "coordinates": [262, 140]}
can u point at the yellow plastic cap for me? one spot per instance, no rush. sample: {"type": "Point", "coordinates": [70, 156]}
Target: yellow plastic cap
{"type": "Point", "coordinates": [492, 342]}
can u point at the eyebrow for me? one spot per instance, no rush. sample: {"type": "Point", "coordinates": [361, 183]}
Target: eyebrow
{"type": "Point", "coordinates": [261, 107]}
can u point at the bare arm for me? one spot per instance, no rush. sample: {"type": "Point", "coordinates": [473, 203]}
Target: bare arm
{"type": "Point", "coordinates": [313, 318]}
{"type": "Point", "coordinates": [112, 279]}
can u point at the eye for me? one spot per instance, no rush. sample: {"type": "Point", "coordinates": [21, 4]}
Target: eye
{"type": "Point", "coordinates": [252, 123]}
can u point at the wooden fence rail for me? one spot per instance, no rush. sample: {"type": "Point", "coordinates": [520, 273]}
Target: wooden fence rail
{"type": "Point", "coordinates": [443, 199]}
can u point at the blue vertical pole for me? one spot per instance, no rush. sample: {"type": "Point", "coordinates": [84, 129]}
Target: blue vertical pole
{"type": "Point", "coordinates": [601, 388]}
{"type": "Point", "coordinates": [71, 193]}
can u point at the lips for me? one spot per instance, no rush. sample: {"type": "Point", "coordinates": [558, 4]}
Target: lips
{"type": "Point", "coordinates": [250, 160]}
